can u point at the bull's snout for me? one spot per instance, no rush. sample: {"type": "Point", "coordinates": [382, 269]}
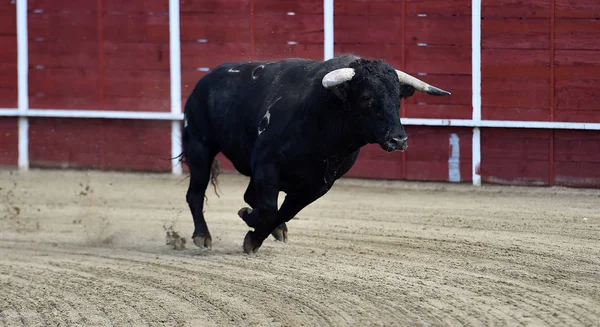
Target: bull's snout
{"type": "Point", "coordinates": [396, 144]}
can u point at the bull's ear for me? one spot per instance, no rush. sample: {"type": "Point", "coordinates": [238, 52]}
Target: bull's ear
{"type": "Point", "coordinates": [337, 77]}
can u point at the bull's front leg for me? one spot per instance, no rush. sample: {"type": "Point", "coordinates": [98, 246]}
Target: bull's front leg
{"type": "Point", "coordinates": [265, 182]}
{"type": "Point", "coordinates": [279, 233]}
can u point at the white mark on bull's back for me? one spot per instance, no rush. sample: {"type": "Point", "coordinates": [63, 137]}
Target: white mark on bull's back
{"type": "Point", "coordinates": [254, 75]}
{"type": "Point", "coordinates": [454, 160]}
{"type": "Point", "coordinates": [264, 122]}
{"type": "Point", "coordinates": [231, 70]}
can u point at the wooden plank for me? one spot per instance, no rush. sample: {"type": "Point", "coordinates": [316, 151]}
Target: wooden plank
{"type": "Point", "coordinates": [137, 27]}
{"type": "Point", "coordinates": [40, 100]}
{"type": "Point", "coordinates": [368, 29]}
{"type": "Point", "coordinates": [442, 111]}
{"type": "Point", "coordinates": [7, 6]}
{"type": "Point", "coordinates": [392, 53]}
{"type": "Point", "coordinates": [515, 156]}
{"type": "Point", "coordinates": [458, 85]}
{"type": "Point", "coordinates": [577, 34]}
{"type": "Point", "coordinates": [52, 141]}
{"type": "Point", "coordinates": [515, 33]}
{"type": "Point", "coordinates": [282, 28]}
{"type": "Point", "coordinates": [430, 171]}
{"type": "Point", "coordinates": [64, 5]}
{"type": "Point", "coordinates": [577, 9]}
{"type": "Point", "coordinates": [8, 49]}
{"type": "Point", "coordinates": [103, 144]}
{"type": "Point", "coordinates": [515, 63]}
{"type": "Point", "coordinates": [430, 149]}
{"type": "Point", "coordinates": [147, 6]}
{"type": "Point", "coordinates": [223, 27]}
{"type": "Point", "coordinates": [215, 6]}
{"type": "Point", "coordinates": [57, 54]}
{"type": "Point", "coordinates": [8, 97]}
{"type": "Point", "coordinates": [438, 8]}
{"type": "Point", "coordinates": [433, 30]}
{"type": "Point", "coordinates": [515, 144]}
{"type": "Point", "coordinates": [137, 83]}
{"type": "Point", "coordinates": [438, 60]}
{"type": "Point", "coordinates": [577, 146]}
{"type": "Point", "coordinates": [281, 51]}
{"type": "Point", "coordinates": [515, 172]}
{"type": "Point", "coordinates": [211, 54]}
{"type": "Point", "coordinates": [146, 56]}
{"type": "Point", "coordinates": [578, 94]}
{"type": "Point", "coordinates": [515, 93]}
{"type": "Point", "coordinates": [432, 143]}
{"type": "Point", "coordinates": [63, 82]}
{"type": "Point", "coordinates": [577, 64]}
{"type": "Point", "coordinates": [9, 140]}
{"type": "Point", "coordinates": [516, 113]}
{"type": "Point", "coordinates": [367, 8]}
{"type": "Point", "coordinates": [577, 174]}
{"type": "Point", "coordinates": [8, 85]}
{"type": "Point", "coordinates": [8, 22]}
{"type": "Point", "coordinates": [578, 115]}
{"type": "Point", "coordinates": [63, 26]}
{"type": "Point", "coordinates": [139, 103]}
{"type": "Point", "coordinates": [297, 7]}
{"type": "Point", "coordinates": [145, 145]}
{"type": "Point", "coordinates": [515, 9]}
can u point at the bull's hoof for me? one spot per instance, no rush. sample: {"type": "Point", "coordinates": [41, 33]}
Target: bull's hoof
{"type": "Point", "coordinates": [280, 233]}
{"type": "Point", "coordinates": [246, 215]}
{"type": "Point", "coordinates": [244, 212]}
{"type": "Point", "coordinates": [251, 244]}
{"type": "Point", "coordinates": [202, 241]}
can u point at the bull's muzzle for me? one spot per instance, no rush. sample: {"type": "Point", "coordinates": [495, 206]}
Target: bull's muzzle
{"type": "Point", "coordinates": [396, 144]}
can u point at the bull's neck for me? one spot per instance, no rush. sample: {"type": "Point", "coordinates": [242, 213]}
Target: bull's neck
{"type": "Point", "coordinates": [338, 133]}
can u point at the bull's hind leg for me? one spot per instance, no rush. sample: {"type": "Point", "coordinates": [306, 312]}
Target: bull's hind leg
{"type": "Point", "coordinates": [200, 159]}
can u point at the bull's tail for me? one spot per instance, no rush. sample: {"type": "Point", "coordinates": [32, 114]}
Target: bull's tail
{"type": "Point", "coordinates": [215, 171]}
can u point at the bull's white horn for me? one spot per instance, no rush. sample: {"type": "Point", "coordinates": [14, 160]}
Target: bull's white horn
{"type": "Point", "coordinates": [337, 77]}
{"type": "Point", "coordinates": [419, 85]}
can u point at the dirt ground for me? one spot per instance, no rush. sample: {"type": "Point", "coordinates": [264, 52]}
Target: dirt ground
{"type": "Point", "coordinates": [90, 249]}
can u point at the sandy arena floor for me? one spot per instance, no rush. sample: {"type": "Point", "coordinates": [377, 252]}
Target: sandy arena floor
{"type": "Point", "coordinates": [89, 249]}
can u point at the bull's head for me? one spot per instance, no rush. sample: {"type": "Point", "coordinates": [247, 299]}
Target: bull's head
{"type": "Point", "coordinates": [372, 91]}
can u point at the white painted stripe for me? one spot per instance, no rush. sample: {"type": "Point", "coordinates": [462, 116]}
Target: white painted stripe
{"type": "Point", "coordinates": [148, 115]}
{"type": "Point", "coordinates": [175, 66]}
{"type": "Point", "coordinates": [476, 157]}
{"type": "Point", "coordinates": [476, 86]}
{"type": "Point", "coordinates": [328, 28]}
{"type": "Point", "coordinates": [23, 83]}
{"type": "Point", "coordinates": [56, 113]}
{"type": "Point", "coordinates": [476, 58]}
{"type": "Point", "coordinates": [454, 160]}
{"type": "Point", "coordinates": [23, 143]}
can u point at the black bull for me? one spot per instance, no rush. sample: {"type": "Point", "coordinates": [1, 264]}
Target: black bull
{"type": "Point", "coordinates": [294, 126]}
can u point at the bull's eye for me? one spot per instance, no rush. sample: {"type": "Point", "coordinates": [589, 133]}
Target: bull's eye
{"type": "Point", "coordinates": [365, 98]}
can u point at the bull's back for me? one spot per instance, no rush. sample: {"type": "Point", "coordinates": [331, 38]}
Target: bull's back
{"type": "Point", "coordinates": [234, 97]}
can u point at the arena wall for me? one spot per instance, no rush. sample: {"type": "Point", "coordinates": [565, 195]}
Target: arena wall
{"type": "Point", "coordinates": [539, 62]}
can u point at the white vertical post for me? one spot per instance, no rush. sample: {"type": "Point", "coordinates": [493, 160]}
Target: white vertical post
{"type": "Point", "coordinates": [175, 61]}
{"type": "Point", "coordinates": [22, 82]}
{"type": "Point", "coordinates": [328, 28]}
{"type": "Point", "coordinates": [476, 86]}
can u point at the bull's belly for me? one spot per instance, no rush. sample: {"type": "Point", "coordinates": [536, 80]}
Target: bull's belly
{"type": "Point", "coordinates": [239, 159]}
